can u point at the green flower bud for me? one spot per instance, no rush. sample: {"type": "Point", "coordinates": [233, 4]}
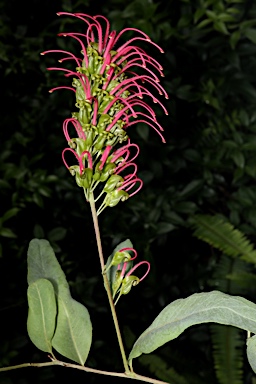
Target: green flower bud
{"type": "Point", "coordinates": [100, 141]}
{"type": "Point", "coordinates": [118, 258]}
{"type": "Point", "coordinates": [103, 122]}
{"type": "Point", "coordinates": [115, 196]}
{"type": "Point", "coordinates": [127, 283]}
{"type": "Point", "coordinates": [84, 180]}
{"type": "Point", "coordinates": [79, 144]}
{"type": "Point", "coordinates": [113, 182]}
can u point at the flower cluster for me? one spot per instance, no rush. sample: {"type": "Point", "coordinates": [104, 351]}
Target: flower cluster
{"type": "Point", "coordinates": [120, 269]}
{"type": "Point", "coordinates": [109, 98]}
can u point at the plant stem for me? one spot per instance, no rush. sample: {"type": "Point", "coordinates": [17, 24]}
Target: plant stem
{"type": "Point", "coordinates": [127, 375]}
{"type": "Point", "coordinates": [106, 282]}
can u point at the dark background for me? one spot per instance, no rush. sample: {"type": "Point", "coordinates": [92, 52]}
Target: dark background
{"type": "Point", "coordinates": [207, 166]}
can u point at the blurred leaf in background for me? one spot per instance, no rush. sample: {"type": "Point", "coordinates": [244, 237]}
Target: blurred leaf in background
{"type": "Point", "coordinates": [207, 166]}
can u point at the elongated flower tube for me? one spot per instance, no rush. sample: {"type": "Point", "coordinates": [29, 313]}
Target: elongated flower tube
{"type": "Point", "coordinates": [109, 98]}
{"type": "Point", "coordinates": [120, 270]}
{"type": "Point", "coordinates": [121, 256]}
{"type": "Point", "coordinates": [126, 280]}
{"type": "Point", "coordinates": [90, 172]}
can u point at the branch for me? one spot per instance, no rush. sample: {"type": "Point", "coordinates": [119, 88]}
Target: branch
{"type": "Point", "coordinates": [131, 375]}
{"type": "Point", "coordinates": [105, 279]}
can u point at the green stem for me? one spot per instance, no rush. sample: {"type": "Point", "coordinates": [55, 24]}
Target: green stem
{"type": "Point", "coordinates": [106, 282]}
{"type": "Point", "coordinates": [127, 375]}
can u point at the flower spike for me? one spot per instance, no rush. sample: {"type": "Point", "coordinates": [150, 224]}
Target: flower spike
{"type": "Point", "coordinates": [109, 97]}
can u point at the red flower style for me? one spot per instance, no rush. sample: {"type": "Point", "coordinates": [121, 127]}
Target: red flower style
{"type": "Point", "coordinates": [106, 88]}
{"type": "Point", "coordinates": [107, 169]}
{"type": "Point", "coordinates": [108, 93]}
{"type": "Point", "coordinates": [124, 269]}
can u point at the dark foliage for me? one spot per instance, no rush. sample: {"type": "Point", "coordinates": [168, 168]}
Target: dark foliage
{"type": "Point", "coordinates": [207, 166]}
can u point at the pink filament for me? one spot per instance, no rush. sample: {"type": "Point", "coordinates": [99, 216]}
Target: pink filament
{"type": "Point", "coordinates": [62, 87]}
{"type": "Point", "coordinates": [61, 51]}
{"type": "Point", "coordinates": [151, 125]}
{"type": "Point", "coordinates": [107, 28]}
{"type": "Point", "coordinates": [131, 183]}
{"type": "Point", "coordinates": [139, 38]}
{"type": "Point", "coordinates": [110, 43]}
{"type": "Point", "coordinates": [136, 266]}
{"type": "Point", "coordinates": [132, 29]}
{"type": "Point", "coordinates": [79, 159]}
{"type": "Point", "coordinates": [132, 63]}
{"type": "Point", "coordinates": [73, 34]}
{"type": "Point", "coordinates": [77, 126]}
{"type": "Point", "coordinates": [125, 149]}
{"type": "Point", "coordinates": [81, 78]}
{"type": "Point", "coordinates": [123, 101]}
{"type": "Point", "coordinates": [122, 167]}
{"type": "Point", "coordinates": [129, 249]}
{"type": "Point", "coordinates": [104, 156]}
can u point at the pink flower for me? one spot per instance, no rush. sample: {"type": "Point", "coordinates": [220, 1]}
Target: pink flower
{"type": "Point", "coordinates": [89, 173]}
{"type": "Point", "coordinates": [106, 88]}
{"type": "Point", "coordinates": [109, 98]}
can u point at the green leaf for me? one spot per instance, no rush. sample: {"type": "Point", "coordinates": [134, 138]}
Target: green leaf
{"type": "Point", "coordinates": [57, 234]}
{"type": "Point", "coordinates": [8, 214]}
{"type": "Point", "coordinates": [198, 14]}
{"type": "Point", "coordinates": [220, 27]}
{"type": "Point", "coordinates": [234, 38]}
{"type": "Point", "coordinates": [225, 17]}
{"type": "Point", "coordinates": [216, 307]}
{"type": "Point", "coordinates": [186, 207]}
{"type": "Point", "coordinates": [211, 15]}
{"type": "Point", "coordinates": [251, 352]}
{"type": "Point", "coordinates": [223, 236]}
{"type": "Point", "coordinates": [7, 232]}
{"type": "Point", "coordinates": [184, 92]}
{"type": "Point", "coordinates": [38, 231]}
{"type": "Point", "coordinates": [164, 227]}
{"type": "Point", "coordinates": [238, 158]}
{"type": "Point", "coordinates": [203, 23]}
{"type": "Point", "coordinates": [191, 188]}
{"type": "Point", "coordinates": [250, 33]}
{"type": "Point", "coordinates": [42, 314]}
{"type": "Point", "coordinates": [73, 334]}
{"type": "Point", "coordinates": [42, 264]}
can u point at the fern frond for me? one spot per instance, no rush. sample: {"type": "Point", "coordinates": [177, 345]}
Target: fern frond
{"type": "Point", "coordinates": [245, 280]}
{"type": "Point", "coordinates": [228, 344]}
{"type": "Point", "coordinates": [160, 369]}
{"type": "Point", "coordinates": [233, 276]}
{"type": "Point", "coordinates": [223, 236]}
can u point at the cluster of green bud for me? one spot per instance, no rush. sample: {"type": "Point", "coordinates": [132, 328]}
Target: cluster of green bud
{"type": "Point", "coordinates": [107, 91]}
{"type": "Point", "coordinates": [119, 270]}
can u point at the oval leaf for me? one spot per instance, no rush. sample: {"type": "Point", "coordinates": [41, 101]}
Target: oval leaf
{"type": "Point", "coordinates": [42, 264]}
{"type": "Point", "coordinates": [73, 335]}
{"type": "Point", "coordinates": [251, 352]}
{"type": "Point", "coordinates": [41, 314]}
{"type": "Point", "coordinates": [199, 308]}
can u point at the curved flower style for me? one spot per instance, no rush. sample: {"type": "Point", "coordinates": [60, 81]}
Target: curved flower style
{"type": "Point", "coordinates": [122, 270]}
{"type": "Point", "coordinates": [108, 93]}
{"type": "Point", "coordinates": [90, 172]}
